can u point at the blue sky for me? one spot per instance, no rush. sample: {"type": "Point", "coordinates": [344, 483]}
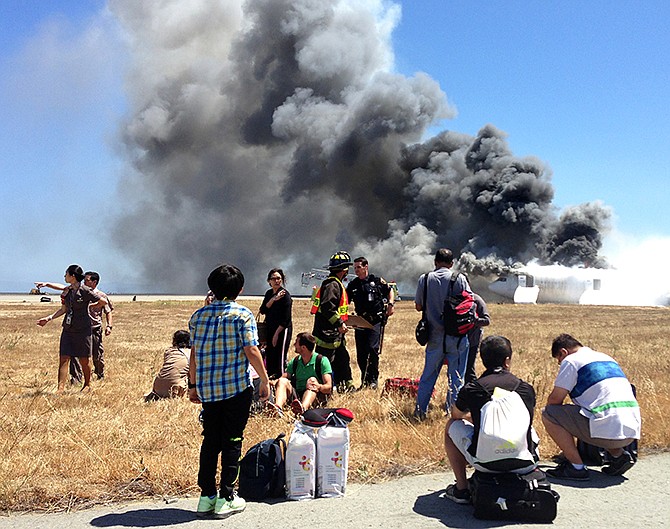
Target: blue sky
{"type": "Point", "coordinates": [581, 85]}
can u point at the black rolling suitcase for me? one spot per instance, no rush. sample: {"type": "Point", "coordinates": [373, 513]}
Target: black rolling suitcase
{"type": "Point", "coordinates": [517, 497]}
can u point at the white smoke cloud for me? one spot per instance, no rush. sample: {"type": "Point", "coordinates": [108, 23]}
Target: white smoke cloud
{"type": "Point", "coordinates": [644, 263]}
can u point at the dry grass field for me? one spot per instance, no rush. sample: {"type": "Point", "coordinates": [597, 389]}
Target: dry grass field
{"type": "Point", "coordinates": [73, 450]}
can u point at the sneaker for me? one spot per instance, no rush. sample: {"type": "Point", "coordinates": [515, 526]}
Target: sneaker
{"type": "Point", "coordinates": [225, 507]}
{"type": "Point", "coordinates": [618, 465]}
{"type": "Point", "coordinates": [373, 386]}
{"type": "Point", "coordinates": [457, 495]}
{"type": "Point", "coordinates": [273, 410]}
{"type": "Point", "coordinates": [567, 471]}
{"type": "Point", "coordinates": [206, 505]}
{"type": "Point", "coordinates": [296, 407]}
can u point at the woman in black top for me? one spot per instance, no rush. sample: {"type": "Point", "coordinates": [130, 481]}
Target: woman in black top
{"type": "Point", "coordinates": [276, 306]}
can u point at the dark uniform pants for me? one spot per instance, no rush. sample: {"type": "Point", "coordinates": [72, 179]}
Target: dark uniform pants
{"type": "Point", "coordinates": [367, 353]}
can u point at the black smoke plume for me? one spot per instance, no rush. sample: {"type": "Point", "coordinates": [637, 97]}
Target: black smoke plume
{"type": "Point", "coordinates": [275, 132]}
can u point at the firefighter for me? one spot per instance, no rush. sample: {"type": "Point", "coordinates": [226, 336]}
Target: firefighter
{"type": "Point", "coordinates": [330, 308]}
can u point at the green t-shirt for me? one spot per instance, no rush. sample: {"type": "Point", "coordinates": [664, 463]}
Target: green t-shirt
{"type": "Point", "coordinates": [304, 372]}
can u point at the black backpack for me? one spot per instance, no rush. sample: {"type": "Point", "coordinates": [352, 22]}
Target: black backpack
{"type": "Point", "coordinates": [460, 310]}
{"type": "Point", "coordinates": [263, 470]}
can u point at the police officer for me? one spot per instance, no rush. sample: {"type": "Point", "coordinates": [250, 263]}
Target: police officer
{"type": "Point", "coordinates": [373, 298]}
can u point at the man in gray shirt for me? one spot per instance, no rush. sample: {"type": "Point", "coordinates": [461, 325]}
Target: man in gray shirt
{"type": "Point", "coordinates": [440, 347]}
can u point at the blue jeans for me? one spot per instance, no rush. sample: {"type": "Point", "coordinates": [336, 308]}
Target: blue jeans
{"type": "Point", "coordinates": [455, 351]}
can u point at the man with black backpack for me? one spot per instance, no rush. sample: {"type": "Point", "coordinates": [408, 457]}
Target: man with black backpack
{"type": "Point", "coordinates": [469, 435]}
{"type": "Point", "coordinates": [308, 378]}
{"type": "Point", "coordinates": [447, 337]}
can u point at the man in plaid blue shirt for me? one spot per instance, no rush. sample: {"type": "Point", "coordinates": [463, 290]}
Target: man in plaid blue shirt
{"type": "Point", "coordinates": [224, 341]}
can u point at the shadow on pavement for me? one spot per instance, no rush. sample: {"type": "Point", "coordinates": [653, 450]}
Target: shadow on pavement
{"type": "Point", "coordinates": [145, 518]}
{"type": "Point", "coordinates": [436, 505]}
{"type": "Point", "coordinates": [598, 480]}
{"type": "Point", "coordinates": [450, 514]}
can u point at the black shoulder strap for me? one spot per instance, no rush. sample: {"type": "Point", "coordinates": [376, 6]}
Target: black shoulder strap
{"type": "Point", "coordinates": [425, 295]}
{"type": "Point", "coordinates": [452, 282]}
{"type": "Point", "coordinates": [317, 367]}
{"type": "Point", "coordinates": [294, 379]}
{"type": "Point", "coordinates": [490, 393]}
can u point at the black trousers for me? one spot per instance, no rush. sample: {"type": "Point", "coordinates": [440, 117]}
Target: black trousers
{"type": "Point", "coordinates": [276, 356]}
{"type": "Point", "coordinates": [339, 361]}
{"type": "Point", "coordinates": [223, 424]}
{"type": "Point", "coordinates": [367, 353]}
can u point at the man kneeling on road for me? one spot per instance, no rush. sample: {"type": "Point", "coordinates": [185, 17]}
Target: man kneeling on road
{"type": "Point", "coordinates": [462, 437]}
{"type": "Point", "coordinates": [308, 378]}
{"type": "Point", "coordinates": [605, 412]}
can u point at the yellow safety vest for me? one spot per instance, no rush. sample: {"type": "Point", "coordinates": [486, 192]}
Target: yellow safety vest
{"type": "Point", "coordinates": [343, 307]}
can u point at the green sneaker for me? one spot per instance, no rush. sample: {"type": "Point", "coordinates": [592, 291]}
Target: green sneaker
{"type": "Point", "coordinates": [225, 507]}
{"type": "Point", "coordinates": [206, 505]}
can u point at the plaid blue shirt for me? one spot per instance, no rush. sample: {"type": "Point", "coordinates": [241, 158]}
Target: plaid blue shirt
{"type": "Point", "coordinates": [219, 333]}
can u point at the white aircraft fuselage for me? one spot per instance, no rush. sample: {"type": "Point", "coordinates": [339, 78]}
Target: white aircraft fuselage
{"type": "Point", "coordinates": [586, 286]}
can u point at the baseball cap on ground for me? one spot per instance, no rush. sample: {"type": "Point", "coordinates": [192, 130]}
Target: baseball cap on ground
{"type": "Point", "coordinates": [327, 416]}
{"type": "Point", "coordinates": [339, 261]}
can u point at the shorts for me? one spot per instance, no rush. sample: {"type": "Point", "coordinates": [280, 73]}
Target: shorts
{"type": "Point", "coordinates": [462, 432]}
{"type": "Point", "coordinates": [568, 416]}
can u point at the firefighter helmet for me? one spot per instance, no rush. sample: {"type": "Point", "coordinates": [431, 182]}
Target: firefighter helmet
{"type": "Point", "coordinates": [339, 261]}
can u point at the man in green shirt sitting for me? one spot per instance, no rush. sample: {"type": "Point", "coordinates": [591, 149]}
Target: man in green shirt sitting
{"type": "Point", "coordinates": [308, 378]}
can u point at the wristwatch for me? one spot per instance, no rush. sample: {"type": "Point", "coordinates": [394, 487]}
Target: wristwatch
{"type": "Point", "coordinates": [191, 386]}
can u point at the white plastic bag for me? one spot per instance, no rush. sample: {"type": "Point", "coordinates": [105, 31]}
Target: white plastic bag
{"type": "Point", "coordinates": [301, 463]}
{"type": "Point", "coordinates": [332, 455]}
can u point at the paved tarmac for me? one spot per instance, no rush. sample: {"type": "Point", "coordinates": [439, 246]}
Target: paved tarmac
{"type": "Point", "coordinates": [639, 499]}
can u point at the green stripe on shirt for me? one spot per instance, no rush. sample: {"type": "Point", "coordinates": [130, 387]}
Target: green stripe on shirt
{"type": "Point", "coordinates": [617, 404]}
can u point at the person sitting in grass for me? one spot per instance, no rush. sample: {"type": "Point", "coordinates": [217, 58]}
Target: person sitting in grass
{"type": "Point", "coordinates": [172, 379]}
{"type": "Point", "coordinates": [224, 341]}
{"type": "Point", "coordinates": [308, 380]}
